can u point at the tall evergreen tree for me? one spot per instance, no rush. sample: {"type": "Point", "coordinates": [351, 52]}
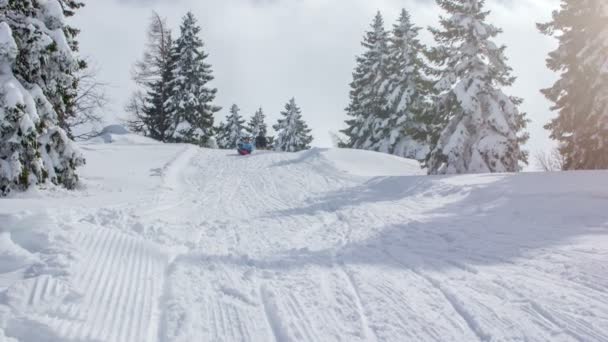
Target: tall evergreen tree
{"type": "Point", "coordinates": [231, 133]}
{"type": "Point", "coordinates": [37, 87]}
{"type": "Point", "coordinates": [580, 96]}
{"type": "Point", "coordinates": [368, 106]}
{"type": "Point", "coordinates": [478, 128]}
{"type": "Point", "coordinates": [293, 134]}
{"type": "Point", "coordinates": [157, 115]}
{"type": "Point", "coordinates": [154, 74]}
{"type": "Point", "coordinates": [191, 99]}
{"type": "Point", "coordinates": [408, 90]}
{"type": "Point", "coordinates": [257, 125]}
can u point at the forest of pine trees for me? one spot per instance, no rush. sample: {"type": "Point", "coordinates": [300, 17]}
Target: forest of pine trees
{"type": "Point", "coordinates": [445, 105]}
{"type": "Point", "coordinates": [175, 103]}
{"type": "Point", "coordinates": [442, 105]}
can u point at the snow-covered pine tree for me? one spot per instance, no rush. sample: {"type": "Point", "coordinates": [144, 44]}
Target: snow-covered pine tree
{"type": "Point", "coordinates": [37, 67]}
{"type": "Point", "coordinates": [64, 95]}
{"type": "Point", "coordinates": [478, 128]}
{"type": "Point", "coordinates": [368, 106]}
{"type": "Point", "coordinates": [409, 91]}
{"type": "Point", "coordinates": [156, 115]}
{"type": "Point", "coordinates": [231, 133]}
{"type": "Point", "coordinates": [191, 101]}
{"type": "Point", "coordinates": [581, 94]}
{"type": "Point", "coordinates": [257, 125]}
{"type": "Point", "coordinates": [293, 134]}
{"type": "Point", "coordinates": [154, 74]}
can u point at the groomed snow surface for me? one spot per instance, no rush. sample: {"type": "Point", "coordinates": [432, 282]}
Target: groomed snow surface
{"type": "Point", "coordinates": [175, 243]}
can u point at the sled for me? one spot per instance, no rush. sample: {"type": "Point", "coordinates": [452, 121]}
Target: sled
{"type": "Point", "coordinates": [244, 152]}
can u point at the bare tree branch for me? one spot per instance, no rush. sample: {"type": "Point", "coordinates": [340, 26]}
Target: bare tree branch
{"type": "Point", "coordinates": [551, 161]}
{"type": "Point", "coordinates": [134, 106]}
{"type": "Point", "coordinates": [89, 105]}
{"type": "Point", "coordinates": [157, 50]}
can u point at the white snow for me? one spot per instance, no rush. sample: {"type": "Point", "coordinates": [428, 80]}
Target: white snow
{"type": "Point", "coordinates": [8, 47]}
{"type": "Point", "coordinates": [370, 164]}
{"type": "Point", "coordinates": [177, 243]}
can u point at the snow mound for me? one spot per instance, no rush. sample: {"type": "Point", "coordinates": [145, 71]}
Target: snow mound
{"type": "Point", "coordinates": [118, 134]}
{"type": "Point", "coordinates": [371, 164]}
{"type": "Point", "coordinates": [115, 129]}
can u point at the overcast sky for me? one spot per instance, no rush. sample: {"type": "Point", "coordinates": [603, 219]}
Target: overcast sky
{"type": "Point", "coordinates": [264, 52]}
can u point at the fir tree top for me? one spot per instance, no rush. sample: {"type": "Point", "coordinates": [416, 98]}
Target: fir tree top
{"type": "Point", "coordinates": [190, 54]}
{"type": "Point", "coordinates": [376, 45]}
{"type": "Point", "coordinates": [406, 67]}
{"type": "Point", "coordinates": [466, 47]}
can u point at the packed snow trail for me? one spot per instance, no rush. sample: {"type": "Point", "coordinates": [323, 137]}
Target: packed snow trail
{"type": "Point", "coordinates": [174, 243]}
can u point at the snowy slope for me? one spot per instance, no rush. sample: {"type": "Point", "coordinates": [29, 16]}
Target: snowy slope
{"type": "Point", "coordinates": [175, 243]}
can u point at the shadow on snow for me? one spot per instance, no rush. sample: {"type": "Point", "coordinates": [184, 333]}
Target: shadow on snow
{"type": "Point", "coordinates": [459, 221]}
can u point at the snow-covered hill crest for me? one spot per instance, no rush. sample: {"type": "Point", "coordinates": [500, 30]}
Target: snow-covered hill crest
{"type": "Point", "coordinates": [177, 243]}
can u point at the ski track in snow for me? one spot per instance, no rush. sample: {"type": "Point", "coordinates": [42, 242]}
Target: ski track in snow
{"type": "Point", "coordinates": [202, 245]}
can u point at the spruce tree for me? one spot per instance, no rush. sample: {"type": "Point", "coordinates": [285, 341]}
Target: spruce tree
{"type": "Point", "coordinates": [257, 125]}
{"type": "Point", "coordinates": [293, 134]}
{"type": "Point", "coordinates": [408, 90]}
{"type": "Point", "coordinates": [580, 96]}
{"type": "Point", "coordinates": [154, 74]}
{"type": "Point", "coordinates": [191, 99]}
{"type": "Point", "coordinates": [157, 115]}
{"type": "Point", "coordinates": [368, 106]}
{"type": "Point", "coordinates": [232, 132]}
{"type": "Point", "coordinates": [37, 86]}
{"type": "Point", "coordinates": [476, 127]}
